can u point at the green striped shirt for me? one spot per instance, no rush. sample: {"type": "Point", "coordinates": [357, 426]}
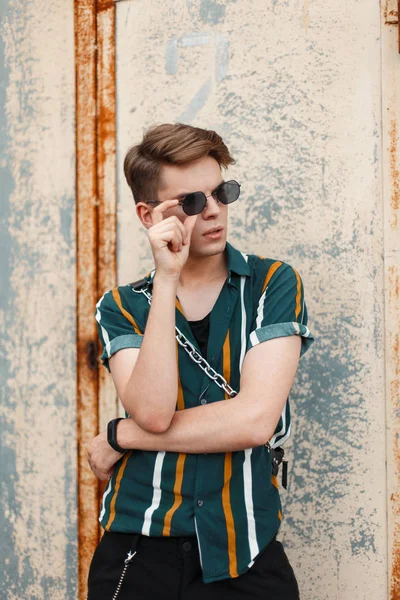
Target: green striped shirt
{"type": "Point", "coordinates": [229, 500]}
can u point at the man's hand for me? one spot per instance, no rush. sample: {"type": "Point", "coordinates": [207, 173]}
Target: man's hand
{"type": "Point", "coordinates": [102, 457]}
{"type": "Point", "coordinates": [170, 239]}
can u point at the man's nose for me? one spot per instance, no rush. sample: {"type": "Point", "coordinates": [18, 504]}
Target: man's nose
{"type": "Point", "coordinates": [212, 207]}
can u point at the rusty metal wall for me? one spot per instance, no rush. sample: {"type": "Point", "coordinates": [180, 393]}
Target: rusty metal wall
{"type": "Point", "coordinates": [38, 508]}
{"type": "Point", "coordinates": [295, 89]}
{"type": "Point", "coordinates": [96, 246]}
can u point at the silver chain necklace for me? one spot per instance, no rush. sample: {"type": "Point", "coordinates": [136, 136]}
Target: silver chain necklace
{"type": "Point", "coordinates": [199, 359]}
{"type": "Point", "coordinates": [196, 356]}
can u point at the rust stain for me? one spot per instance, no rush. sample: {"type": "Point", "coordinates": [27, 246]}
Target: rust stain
{"type": "Point", "coordinates": [86, 198]}
{"type": "Point", "coordinates": [390, 14]}
{"type": "Point", "coordinates": [394, 286]}
{"type": "Point", "coordinates": [105, 5]}
{"type": "Point", "coordinates": [106, 181]}
{"type": "Point", "coordinates": [96, 239]}
{"type": "Point", "coordinates": [106, 144]}
{"type": "Point", "coordinates": [394, 173]}
{"type": "Point", "coordinates": [395, 571]}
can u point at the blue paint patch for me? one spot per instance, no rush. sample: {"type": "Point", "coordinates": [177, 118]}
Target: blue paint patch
{"type": "Point", "coordinates": [329, 399]}
{"type": "Point", "coordinates": [375, 153]}
{"type": "Point", "coordinates": [212, 12]}
{"type": "Point", "coordinates": [196, 38]}
{"type": "Point", "coordinates": [7, 188]}
{"type": "Point", "coordinates": [71, 548]}
{"type": "Point", "coordinates": [362, 539]}
{"type": "Point", "coordinates": [10, 509]}
{"type": "Point", "coordinates": [171, 57]}
{"type": "Point", "coordinates": [221, 57]}
{"type": "Point", "coordinates": [48, 585]}
{"type": "Point", "coordinates": [196, 104]}
{"type": "Point", "coordinates": [67, 212]}
{"type": "Point", "coordinates": [10, 506]}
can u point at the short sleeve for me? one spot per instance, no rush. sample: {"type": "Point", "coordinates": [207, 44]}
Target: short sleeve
{"type": "Point", "coordinates": [281, 309]}
{"type": "Point", "coordinates": [116, 326]}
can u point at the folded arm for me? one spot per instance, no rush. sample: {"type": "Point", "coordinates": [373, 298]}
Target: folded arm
{"type": "Point", "coordinates": [245, 421]}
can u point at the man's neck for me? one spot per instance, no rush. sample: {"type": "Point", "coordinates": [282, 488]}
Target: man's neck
{"type": "Point", "coordinates": [198, 271]}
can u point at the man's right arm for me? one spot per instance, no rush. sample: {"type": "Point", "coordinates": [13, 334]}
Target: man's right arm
{"type": "Point", "coordinates": [147, 379]}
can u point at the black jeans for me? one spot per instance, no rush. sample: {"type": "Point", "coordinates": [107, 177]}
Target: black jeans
{"type": "Point", "coordinates": [169, 568]}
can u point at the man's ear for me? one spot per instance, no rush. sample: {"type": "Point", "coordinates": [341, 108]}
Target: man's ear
{"type": "Point", "coordinates": [143, 211]}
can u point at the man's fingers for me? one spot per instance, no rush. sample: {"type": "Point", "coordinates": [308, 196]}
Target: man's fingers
{"type": "Point", "coordinates": [102, 475]}
{"type": "Point", "coordinates": [166, 224]}
{"type": "Point", "coordinates": [157, 214]}
{"type": "Point", "coordinates": [169, 231]}
{"type": "Point", "coordinates": [174, 238]}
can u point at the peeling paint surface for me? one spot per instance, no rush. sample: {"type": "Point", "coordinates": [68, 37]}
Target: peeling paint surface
{"type": "Point", "coordinates": [296, 94]}
{"type": "Point", "coordinates": [38, 501]}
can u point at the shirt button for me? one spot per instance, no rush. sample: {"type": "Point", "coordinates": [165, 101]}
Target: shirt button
{"type": "Point", "coordinates": [203, 401]}
{"type": "Point", "coordinates": [187, 546]}
{"type": "Point", "coordinates": [200, 502]}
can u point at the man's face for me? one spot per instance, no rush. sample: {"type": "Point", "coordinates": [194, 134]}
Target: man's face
{"type": "Point", "coordinates": [203, 175]}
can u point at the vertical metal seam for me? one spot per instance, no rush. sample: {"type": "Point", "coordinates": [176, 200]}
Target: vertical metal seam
{"type": "Point", "coordinates": [85, 35]}
{"type": "Point", "coordinates": [383, 216]}
{"type": "Point", "coordinates": [106, 185]}
{"type": "Point", "coordinates": [388, 153]}
{"type": "Point", "coordinates": [93, 197]}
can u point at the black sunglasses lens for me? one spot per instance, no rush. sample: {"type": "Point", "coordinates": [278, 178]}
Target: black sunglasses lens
{"type": "Point", "coordinates": [228, 192]}
{"type": "Point", "coordinates": [194, 203]}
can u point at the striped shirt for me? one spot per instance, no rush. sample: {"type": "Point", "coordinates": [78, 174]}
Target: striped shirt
{"type": "Point", "coordinates": [229, 500]}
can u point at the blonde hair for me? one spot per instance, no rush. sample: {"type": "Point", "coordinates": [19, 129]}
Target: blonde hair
{"type": "Point", "coordinates": [168, 144]}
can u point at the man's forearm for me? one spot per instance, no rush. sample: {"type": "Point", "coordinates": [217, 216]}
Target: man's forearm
{"type": "Point", "coordinates": [150, 395]}
{"type": "Point", "coordinates": [223, 426]}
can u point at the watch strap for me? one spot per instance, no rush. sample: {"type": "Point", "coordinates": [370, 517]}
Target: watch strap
{"type": "Point", "coordinates": [112, 435]}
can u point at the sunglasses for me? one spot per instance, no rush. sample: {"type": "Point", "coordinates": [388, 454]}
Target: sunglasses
{"type": "Point", "coordinates": [195, 202]}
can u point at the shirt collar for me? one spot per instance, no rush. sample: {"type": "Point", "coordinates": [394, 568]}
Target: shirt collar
{"type": "Point", "coordinates": [236, 263]}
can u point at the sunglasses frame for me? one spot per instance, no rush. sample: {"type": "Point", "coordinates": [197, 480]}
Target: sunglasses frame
{"type": "Point", "coordinates": [182, 202]}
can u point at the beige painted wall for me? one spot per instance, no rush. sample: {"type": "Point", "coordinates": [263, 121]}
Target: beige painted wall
{"type": "Point", "coordinates": [37, 309]}
{"type": "Point", "coordinates": [295, 90]}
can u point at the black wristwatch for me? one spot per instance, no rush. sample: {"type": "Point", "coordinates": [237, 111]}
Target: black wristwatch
{"type": "Point", "coordinates": [112, 435]}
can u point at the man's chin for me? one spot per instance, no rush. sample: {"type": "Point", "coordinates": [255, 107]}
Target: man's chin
{"type": "Point", "coordinates": [201, 250]}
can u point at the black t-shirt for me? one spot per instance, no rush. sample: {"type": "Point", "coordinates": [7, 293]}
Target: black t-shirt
{"type": "Point", "coordinates": [201, 330]}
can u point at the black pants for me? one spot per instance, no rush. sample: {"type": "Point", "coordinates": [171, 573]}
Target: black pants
{"type": "Point", "coordinates": [169, 568]}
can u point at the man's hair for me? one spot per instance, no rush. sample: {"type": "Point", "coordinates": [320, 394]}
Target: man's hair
{"type": "Point", "coordinates": [176, 144]}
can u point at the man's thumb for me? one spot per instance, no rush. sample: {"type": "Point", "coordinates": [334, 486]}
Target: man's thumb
{"type": "Point", "coordinates": [190, 222]}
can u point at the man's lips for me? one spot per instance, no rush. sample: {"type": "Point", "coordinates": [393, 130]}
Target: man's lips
{"type": "Point", "coordinates": [213, 230]}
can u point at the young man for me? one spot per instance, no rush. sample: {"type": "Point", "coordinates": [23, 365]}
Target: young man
{"type": "Point", "coordinates": [192, 508]}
